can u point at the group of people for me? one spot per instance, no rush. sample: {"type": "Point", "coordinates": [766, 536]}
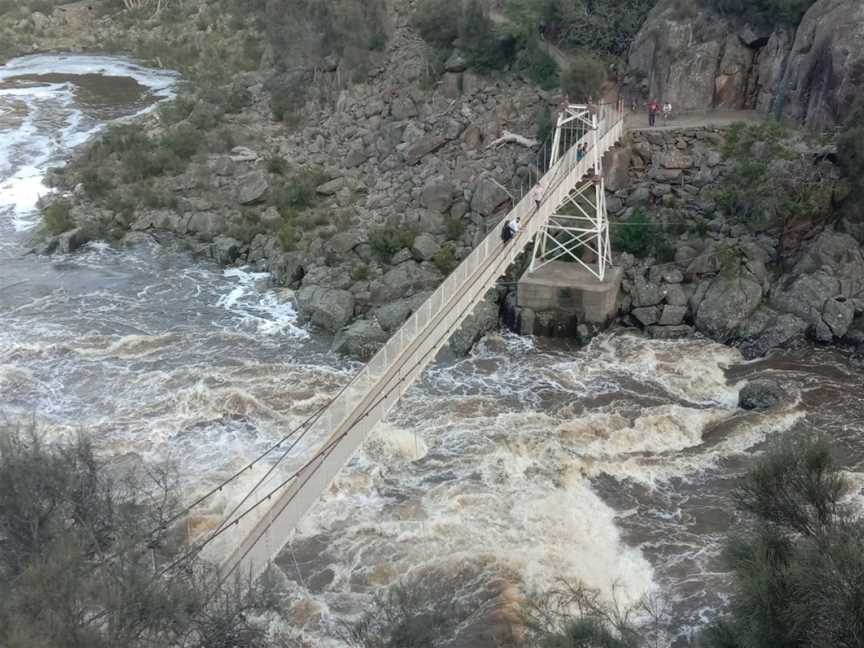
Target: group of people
{"type": "Point", "coordinates": [654, 108]}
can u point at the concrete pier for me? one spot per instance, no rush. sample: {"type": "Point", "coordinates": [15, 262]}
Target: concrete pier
{"type": "Point", "coordinates": [557, 298]}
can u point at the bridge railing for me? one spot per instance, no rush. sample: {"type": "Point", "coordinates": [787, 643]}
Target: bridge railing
{"type": "Point", "coordinates": [378, 386]}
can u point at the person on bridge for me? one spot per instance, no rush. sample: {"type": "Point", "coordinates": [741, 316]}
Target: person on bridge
{"type": "Point", "coordinates": [538, 196]}
{"type": "Point", "coordinates": [509, 230]}
{"type": "Point", "coordinates": [653, 109]}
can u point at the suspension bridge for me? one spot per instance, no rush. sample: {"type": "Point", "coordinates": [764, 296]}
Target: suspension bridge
{"type": "Point", "coordinates": [562, 212]}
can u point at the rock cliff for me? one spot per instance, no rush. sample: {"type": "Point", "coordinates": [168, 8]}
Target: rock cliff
{"type": "Point", "coordinates": [698, 59]}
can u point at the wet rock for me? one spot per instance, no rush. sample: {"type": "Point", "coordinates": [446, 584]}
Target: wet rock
{"type": "Point", "coordinates": [72, 240]}
{"type": "Point", "coordinates": [361, 339]}
{"type": "Point", "coordinates": [670, 332]}
{"type": "Point", "coordinates": [225, 250]}
{"type": "Point", "coordinates": [760, 394]}
{"type": "Point", "coordinates": [328, 308]}
{"type": "Point", "coordinates": [483, 320]}
{"type": "Point", "coordinates": [646, 315]}
{"type": "Point", "coordinates": [783, 331]}
{"type": "Point", "coordinates": [725, 306]}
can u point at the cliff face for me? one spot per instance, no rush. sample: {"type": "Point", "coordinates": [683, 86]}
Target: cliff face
{"type": "Point", "coordinates": [700, 60]}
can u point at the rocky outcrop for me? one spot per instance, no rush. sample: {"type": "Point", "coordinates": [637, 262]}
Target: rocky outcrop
{"type": "Point", "coordinates": [760, 394]}
{"type": "Point", "coordinates": [825, 74]}
{"type": "Point", "coordinates": [700, 60]}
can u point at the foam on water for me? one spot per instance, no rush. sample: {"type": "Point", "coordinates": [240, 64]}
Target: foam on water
{"type": "Point", "coordinates": [52, 124]}
{"type": "Point", "coordinates": [266, 311]}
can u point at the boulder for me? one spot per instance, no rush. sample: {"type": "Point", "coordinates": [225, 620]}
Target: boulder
{"type": "Point", "coordinates": [760, 394]}
{"type": "Point", "coordinates": [823, 74]}
{"type": "Point", "coordinates": [327, 308]}
{"type": "Point", "coordinates": [422, 147]}
{"type": "Point", "coordinates": [487, 196]}
{"type": "Point", "coordinates": [725, 306]}
{"type": "Point", "coordinates": [403, 108]}
{"type": "Point", "coordinates": [330, 187]}
{"type": "Point", "coordinates": [437, 195]}
{"type": "Point", "coordinates": [783, 331]}
{"type": "Point", "coordinates": [225, 250]}
{"type": "Point", "coordinates": [392, 316]}
{"type": "Point", "coordinates": [425, 246]}
{"type": "Point", "coordinates": [672, 315]}
{"type": "Point", "coordinates": [646, 315]}
{"type": "Point", "coordinates": [361, 339]}
{"type": "Point", "coordinates": [252, 187]}
{"type": "Point", "coordinates": [403, 280]}
{"type": "Point", "coordinates": [72, 240]}
{"type": "Point", "coordinates": [456, 62]}
{"type": "Point", "coordinates": [483, 320]}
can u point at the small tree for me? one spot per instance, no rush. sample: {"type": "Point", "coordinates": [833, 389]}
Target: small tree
{"type": "Point", "coordinates": [798, 567]}
{"type": "Point", "coordinates": [583, 79]}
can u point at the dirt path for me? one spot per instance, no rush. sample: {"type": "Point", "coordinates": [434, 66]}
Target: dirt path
{"type": "Point", "coordinates": [639, 121]}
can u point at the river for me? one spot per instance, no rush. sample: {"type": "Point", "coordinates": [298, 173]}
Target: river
{"type": "Point", "coordinates": [526, 462]}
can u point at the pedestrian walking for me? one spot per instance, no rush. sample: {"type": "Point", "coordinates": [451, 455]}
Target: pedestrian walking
{"type": "Point", "coordinates": [667, 111]}
{"type": "Point", "coordinates": [653, 109]}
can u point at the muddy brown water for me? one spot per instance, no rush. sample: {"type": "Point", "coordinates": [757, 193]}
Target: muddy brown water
{"type": "Point", "coordinates": [526, 462]}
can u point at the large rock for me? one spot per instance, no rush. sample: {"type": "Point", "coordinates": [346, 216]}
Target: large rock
{"type": "Point", "coordinates": [760, 394]}
{"type": "Point", "coordinates": [483, 320]}
{"type": "Point", "coordinates": [701, 60]}
{"type": "Point", "coordinates": [252, 187]}
{"type": "Point", "coordinates": [361, 339]}
{"type": "Point", "coordinates": [824, 74]}
{"type": "Point", "coordinates": [403, 280]}
{"type": "Point", "coordinates": [782, 331]}
{"type": "Point", "coordinates": [391, 316]}
{"type": "Point", "coordinates": [328, 308]}
{"type": "Point", "coordinates": [425, 246]}
{"type": "Point", "coordinates": [725, 306]}
{"type": "Point", "coordinates": [487, 196]}
{"type": "Point", "coordinates": [437, 196]}
{"type": "Point", "coordinates": [422, 147]}
{"type": "Point", "coordinates": [225, 250]}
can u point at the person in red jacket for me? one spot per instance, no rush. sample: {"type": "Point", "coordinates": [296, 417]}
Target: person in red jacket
{"type": "Point", "coordinates": [653, 109]}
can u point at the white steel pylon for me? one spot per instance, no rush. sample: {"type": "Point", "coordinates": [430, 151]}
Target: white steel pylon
{"type": "Point", "coordinates": [578, 230]}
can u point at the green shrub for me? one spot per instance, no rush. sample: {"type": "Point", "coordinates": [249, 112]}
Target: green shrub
{"type": "Point", "coordinates": [298, 191]}
{"type": "Point", "coordinates": [642, 237]}
{"type": "Point", "coordinates": [387, 240]}
{"type": "Point", "coordinates": [437, 22]}
{"type": "Point", "coordinates": [287, 234]}
{"type": "Point", "coordinates": [277, 165]}
{"type": "Point", "coordinates": [455, 228]}
{"type": "Point", "coordinates": [583, 79]}
{"type": "Point", "coordinates": [57, 217]}
{"type": "Point", "coordinates": [445, 258]}
{"type": "Point", "coordinates": [173, 112]}
{"type": "Point", "coordinates": [796, 560]}
{"type": "Point", "coordinates": [360, 272]}
{"type": "Point", "coordinates": [541, 67]}
{"type": "Point", "coordinates": [181, 141]}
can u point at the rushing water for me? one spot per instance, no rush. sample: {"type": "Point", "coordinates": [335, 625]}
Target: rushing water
{"type": "Point", "coordinates": [524, 463]}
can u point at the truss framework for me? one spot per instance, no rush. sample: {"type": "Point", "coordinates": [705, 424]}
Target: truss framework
{"type": "Point", "coordinates": [578, 230]}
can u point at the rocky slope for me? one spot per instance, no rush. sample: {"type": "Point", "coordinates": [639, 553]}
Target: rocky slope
{"type": "Point", "coordinates": [697, 59]}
